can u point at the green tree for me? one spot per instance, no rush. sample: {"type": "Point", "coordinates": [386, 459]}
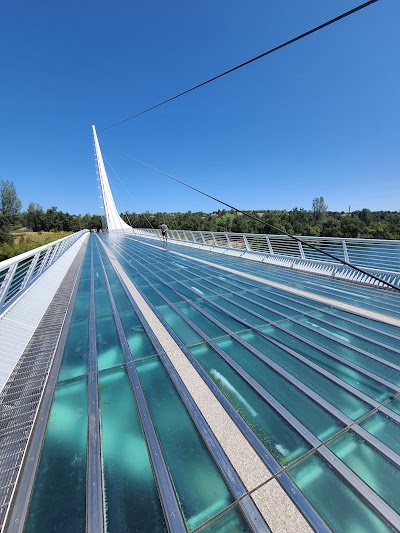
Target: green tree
{"type": "Point", "coordinates": [10, 206]}
{"type": "Point", "coordinates": [319, 208]}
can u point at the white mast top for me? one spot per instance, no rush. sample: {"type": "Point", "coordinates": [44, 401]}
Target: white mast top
{"type": "Point", "coordinates": [112, 219]}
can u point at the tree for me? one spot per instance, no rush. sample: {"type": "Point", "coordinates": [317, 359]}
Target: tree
{"type": "Point", "coordinates": [319, 208]}
{"type": "Point", "coordinates": [35, 217]}
{"type": "Point", "coordinates": [10, 206]}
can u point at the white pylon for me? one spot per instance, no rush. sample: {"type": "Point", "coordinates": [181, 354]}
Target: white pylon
{"type": "Point", "coordinates": [111, 219]}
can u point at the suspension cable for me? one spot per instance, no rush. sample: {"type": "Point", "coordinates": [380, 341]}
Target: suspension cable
{"type": "Point", "coordinates": [248, 62]}
{"type": "Point", "coordinates": [337, 259]}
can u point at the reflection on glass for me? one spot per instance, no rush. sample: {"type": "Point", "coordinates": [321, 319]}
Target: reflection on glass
{"type": "Point", "coordinates": [130, 494]}
{"type": "Point", "coordinates": [59, 494]}
{"type": "Point", "coordinates": [200, 487]}
{"type": "Point", "coordinates": [337, 503]}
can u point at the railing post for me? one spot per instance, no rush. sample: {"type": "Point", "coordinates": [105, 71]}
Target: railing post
{"type": "Point", "coordinates": [6, 284]}
{"type": "Point", "coordinates": [228, 241]}
{"type": "Point", "coordinates": [345, 251]}
{"type": "Point", "coordinates": [271, 251]}
{"type": "Point", "coordinates": [302, 255]}
{"type": "Point", "coordinates": [246, 243]}
{"type": "Point", "coordinates": [31, 268]}
{"type": "Point", "coordinates": [213, 238]}
{"type": "Point", "coordinates": [45, 259]}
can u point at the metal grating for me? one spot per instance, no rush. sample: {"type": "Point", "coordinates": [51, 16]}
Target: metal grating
{"type": "Point", "coordinates": [19, 400]}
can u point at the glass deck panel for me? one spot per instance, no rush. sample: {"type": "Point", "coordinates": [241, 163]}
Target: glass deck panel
{"type": "Point", "coordinates": [307, 411]}
{"type": "Point", "coordinates": [138, 340]}
{"type": "Point", "coordinates": [280, 439]}
{"type": "Point", "coordinates": [378, 368]}
{"type": "Point", "coordinates": [208, 326]}
{"type": "Point", "coordinates": [338, 504]}
{"type": "Point", "coordinates": [346, 402]}
{"type": "Point", "coordinates": [185, 332]}
{"type": "Point", "coordinates": [394, 405]}
{"type": "Point", "coordinates": [370, 465]}
{"type": "Point", "coordinates": [131, 499]}
{"type": "Point", "coordinates": [241, 313]}
{"type": "Point", "coordinates": [82, 301]}
{"type": "Point", "coordinates": [269, 314]}
{"type": "Point", "coordinates": [109, 351]}
{"type": "Point", "coordinates": [201, 490]}
{"type": "Point", "coordinates": [364, 344]}
{"type": "Point", "coordinates": [353, 377]}
{"type": "Point", "coordinates": [76, 351]}
{"type": "Point", "coordinates": [387, 328]}
{"type": "Point", "coordinates": [230, 522]}
{"type": "Point", "coordinates": [58, 500]}
{"type": "Point", "coordinates": [383, 428]}
{"type": "Point", "coordinates": [361, 328]}
{"type": "Point", "coordinates": [222, 317]}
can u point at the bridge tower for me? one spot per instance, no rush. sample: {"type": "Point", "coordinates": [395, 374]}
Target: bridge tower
{"type": "Point", "coordinates": [112, 222]}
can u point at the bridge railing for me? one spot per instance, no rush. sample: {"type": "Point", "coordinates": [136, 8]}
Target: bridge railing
{"type": "Point", "coordinates": [19, 272]}
{"type": "Point", "coordinates": [378, 257]}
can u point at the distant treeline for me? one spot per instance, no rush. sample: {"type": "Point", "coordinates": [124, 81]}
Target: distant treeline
{"type": "Point", "coordinates": [363, 224]}
{"type": "Point", "coordinates": [317, 221]}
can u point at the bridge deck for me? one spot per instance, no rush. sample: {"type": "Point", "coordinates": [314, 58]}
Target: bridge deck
{"type": "Point", "coordinates": [194, 391]}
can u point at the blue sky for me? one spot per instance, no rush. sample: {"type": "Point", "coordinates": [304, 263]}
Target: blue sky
{"type": "Point", "coordinates": [320, 117]}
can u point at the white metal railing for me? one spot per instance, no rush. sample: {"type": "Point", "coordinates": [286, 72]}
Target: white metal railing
{"type": "Point", "coordinates": [378, 257]}
{"type": "Point", "coordinates": [19, 272]}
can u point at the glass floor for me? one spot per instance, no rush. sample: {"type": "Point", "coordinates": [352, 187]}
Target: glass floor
{"type": "Point", "coordinates": [317, 388]}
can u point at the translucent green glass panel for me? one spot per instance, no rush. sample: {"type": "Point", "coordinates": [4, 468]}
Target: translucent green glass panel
{"type": "Point", "coordinates": [76, 351]}
{"type": "Point", "coordinates": [153, 297]}
{"type": "Point", "coordinates": [138, 340]}
{"type": "Point", "coordinates": [222, 317]}
{"type": "Point", "coordinates": [394, 405]}
{"type": "Point", "coordinates": [383, 428]}
{"type": "Point", "coordinates": [130, 494]}
{"type": "Point", "coordinates": [58, 500]}
{"type": "Point", "coordinates": [364, 344]}
{"type": "Point", "coordinates": [361, 329]}
{"type": "Point", "coordinates": [281, 440]}
{"type": "Point", "coordinates": [201, 489]}
{"type": "Point", "coordinates": [205, 324]}
{"type": "Point", "coordinates": [209, 288]}
{"type": "Point", "coordinates": [121, 300]}
{"type": "Point", "coordinates": [346, 352]}
{"type": "Point", "coordinates": [109, 351]}
{"type": "Point", "coordinates": [241, 313]}
{"type": "Point", "coordinates": [292, 302]}
{"type": "Point", "coordinates": [337, 503]}
{"type": "Point", "coordinates": [330, 391]}
{"type": "Point", "coordinates": [230, 522]}
{"type": "Point", "coordinates": [382, 326]}
{"type": "Point", "coordinates": [186, 333]}
{"type": "Point", "coordinates": [351, 376]}
{"type": "Point", "coordinates": [82, 301]}
{"type": "Point", "coordinates": [198, 288]}
{"type": "Point", "coordinates": [371, 466]}
{"type": "Point", "coordinates": [102, 302]}
{"type": "Point", "coordinates": [269, 314]}
{"type": "Point", "coordinates": [307, 411]}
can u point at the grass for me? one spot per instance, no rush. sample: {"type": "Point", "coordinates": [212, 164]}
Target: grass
{"type": "Point", "coordinates": [28, 240]}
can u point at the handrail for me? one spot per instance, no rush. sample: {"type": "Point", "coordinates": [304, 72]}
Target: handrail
{"type": "Point", "coordinates": [19, 272]}
{"type": "Point", "coordinates": [377, 256]}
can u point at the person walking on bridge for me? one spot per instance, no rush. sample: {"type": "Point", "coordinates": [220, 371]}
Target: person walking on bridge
{"type": "Point", "coordinates": [164, 231]}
